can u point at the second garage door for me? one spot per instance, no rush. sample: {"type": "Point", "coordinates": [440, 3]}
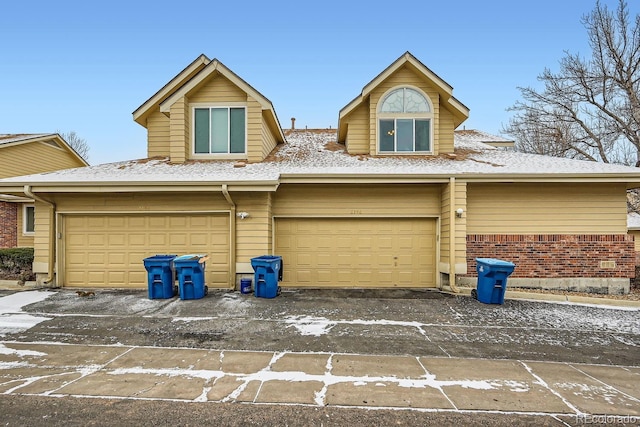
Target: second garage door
{"type": "Point", "coordinates": [367, 252]}
{"type": "Point", "coordinates": [107, 250]}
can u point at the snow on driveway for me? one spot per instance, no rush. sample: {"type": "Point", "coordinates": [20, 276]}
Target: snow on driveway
{"type": "Point", "coordinates": [12, 318]}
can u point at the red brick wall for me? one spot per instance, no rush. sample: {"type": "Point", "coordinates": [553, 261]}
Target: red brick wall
{"type": "Point", "coordinates": [556, 255]}
{"type": "Point", "coordinates": [8, 225]}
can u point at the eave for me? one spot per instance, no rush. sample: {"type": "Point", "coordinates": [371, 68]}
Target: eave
{"type": "Point", "coordinates": [141, 113]}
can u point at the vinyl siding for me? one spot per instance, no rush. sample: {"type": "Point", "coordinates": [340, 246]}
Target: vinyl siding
{"type": "Point", "coordinates": [357, 201]}
{"type": "Point", "coordinates": [404, 76]}
{"type": "Point", "coordinates": [547, 208]}
{"type": "Point", "coordinates": [460, 225]}
{"type": "Point", "coordinates": [253, 234]}
{"type": "Point", "coordinates": [218, 89]}
{"type": "Point", "coordinates": [158, 126]}
{"type": "Point", "coordinates": [255, 144]}
{"type": "Point", "coordinates": [357, 140]}
{"type": "Point", "coordinates": [34, 157]}
{"type": "Point", "coordinates": [444, 144]}
{"type": "Point", "coordinates": [24, 241]}
{"type": "Point", "coordinates": [268, 138]}
{"type": "Point", "coordinates": [179, 132]}
{"type": "Point", "coordinates": [41, 239]}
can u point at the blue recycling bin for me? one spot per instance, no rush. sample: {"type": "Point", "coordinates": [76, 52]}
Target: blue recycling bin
{"type": "Point", "coordinates": [160, 276]}
{"type": "Point", "coordinates": [190, 269]}
{"type": "Point", "coordinates": [268, 271]}
{"type": "Point", "coordinates": [492, 279]}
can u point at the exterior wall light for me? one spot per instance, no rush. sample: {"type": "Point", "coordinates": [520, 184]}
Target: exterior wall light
{"type": "Point", "coordinates": [459, 212]}
{"type": "Point", "coordinates": [242, 215]}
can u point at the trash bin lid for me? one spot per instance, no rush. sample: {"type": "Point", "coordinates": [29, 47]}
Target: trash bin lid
{"type": "Point", "coordinates": [191, 257]}
{"type": "Point", "coordinates": [495, 262]}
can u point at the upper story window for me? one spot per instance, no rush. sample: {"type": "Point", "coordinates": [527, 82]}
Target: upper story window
{"type": "Point", "coordinates": [219, 130]}
{"type": "Point", "coordinates": [29, 220]}
{"type": "Point", "coordinates": [405, 122]}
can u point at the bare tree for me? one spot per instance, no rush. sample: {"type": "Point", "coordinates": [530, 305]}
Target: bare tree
{"type": "Point", "coordinates": [77, 143]}
{"type": "Point", "coordinates": [590, 108]}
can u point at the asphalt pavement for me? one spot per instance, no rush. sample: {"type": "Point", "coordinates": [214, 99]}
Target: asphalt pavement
{"type": "Point", "coordinates": [397, 356]}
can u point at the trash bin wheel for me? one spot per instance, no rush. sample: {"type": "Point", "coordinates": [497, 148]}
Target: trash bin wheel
{"type": "Point", "coordinates": [206, 290]}
{"type": "Point", "coordinates": [474, 294]}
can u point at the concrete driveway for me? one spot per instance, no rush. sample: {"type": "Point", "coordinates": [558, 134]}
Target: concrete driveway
{"type": "Point", "coordinates": [411, 350]}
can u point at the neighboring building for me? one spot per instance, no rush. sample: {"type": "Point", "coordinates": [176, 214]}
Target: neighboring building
{"type": "Point", "coordinates": [26, 154]}
{"type": "Point", "coordinates": [395, 198]}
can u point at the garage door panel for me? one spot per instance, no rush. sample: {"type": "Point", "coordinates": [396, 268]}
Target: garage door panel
{"type": "Point", "coordinates": [108, 250]}
{"type": "Point", "coordinates": [363, 252]}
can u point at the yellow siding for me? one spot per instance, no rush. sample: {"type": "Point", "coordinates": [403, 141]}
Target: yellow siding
{"type": "Point", "coordinates": [636, 238]}
{"type": "Point", "coordinates": [357, 201]}
{"type": "Point", "coordinates": [444, 144]}
{"type": "Point", "coordinates": [158, 135]}
{"type": "Point", "coordinates": [404, 76]}
{"type": "Point", "coordinates": [357, 140]}
{"type": "Point", "coordinates": [546, 208]}
{"type": "Point", "coordinates": [34, 157]}
{"type": "Point", "coordinates": [41, 240]}
{"type": "Point", "coordinates": [218, 89]}
{"type": "Point", "coordinates": [179, 132]}
{"type": "Point", "coordinates": [254, 131]}
{"type": "Point", "coordinates": [140, 202]}
{"type": "Point", "coordinates": [24, 241]}
{"type": "Point", "coordinates": [253, 234]}
{"type": "Point", "coordinates": [461, 223]}
{"type": "Point", "coordinates": [268, 138]}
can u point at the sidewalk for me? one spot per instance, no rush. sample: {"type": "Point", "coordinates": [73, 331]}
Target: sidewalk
{"type": "Point", "coordinates": [318, 379]}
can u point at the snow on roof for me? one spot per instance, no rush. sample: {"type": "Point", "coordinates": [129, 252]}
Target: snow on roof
{"type": "Point", "coordinates": [633, 221]}
{"type": "Point", "coordinates": [16, 137]}
{"type": "Point", "coordinates": [316, 152]}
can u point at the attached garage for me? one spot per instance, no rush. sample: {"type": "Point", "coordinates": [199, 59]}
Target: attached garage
{"type": "Point", "coordinates": [106, 250]}
{"type": "Point", "coordinates": [362, 252]}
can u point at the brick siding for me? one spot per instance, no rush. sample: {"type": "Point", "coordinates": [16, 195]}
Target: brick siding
{"type": "Point", "coordinates": [8, 225]}
{"type": "Point", "coordinates": [556, 255]}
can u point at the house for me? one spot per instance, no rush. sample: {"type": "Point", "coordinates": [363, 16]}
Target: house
{"type": "Point", "coordinates": [26, 154]}
{"type": "Point", "coordinates": [395, 197]}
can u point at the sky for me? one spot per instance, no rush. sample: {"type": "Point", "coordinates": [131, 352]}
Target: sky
{"type": "Point", "coordinates": [85, 66]}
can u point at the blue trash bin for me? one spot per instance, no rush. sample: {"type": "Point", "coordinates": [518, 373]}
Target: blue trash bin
{"type": "Point", "coordinates": [190, 269]}
{"type": "Point", "coordinates": [268, 271]}
{"type": "Point", "coordinates": [160, 276]}
{"type": "Point", "coordinates": [492, 279]}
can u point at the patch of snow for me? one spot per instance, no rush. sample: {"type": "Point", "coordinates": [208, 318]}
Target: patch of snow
{"type": "Point", "coordinates": [309, 325]}
{"type": "Point", "coordinates": [12, 318]}
{"type": "Point", "coordinates": [317, 153]}
{"type": "Point", "coordinates": [20, 353]}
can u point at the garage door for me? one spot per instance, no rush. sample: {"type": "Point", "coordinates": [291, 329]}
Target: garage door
{"type": "Point", "coordinates": [107, 250]}
{"type": "Point", "coordinates": [372, 252]}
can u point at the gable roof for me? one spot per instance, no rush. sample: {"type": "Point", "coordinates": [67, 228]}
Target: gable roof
{"type": "Point", "coordinates": [459, 110]}
{"type": "Point", "coordinates": [313, 156]}
{"type": "Point", "coordinates": [216, 66]}
{"type": "Point", "coordinates": [9, 140]}
{"type": "Point", "coordinates": [140, 114]}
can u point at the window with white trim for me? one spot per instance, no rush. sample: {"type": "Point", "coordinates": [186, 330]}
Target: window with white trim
{"type": "Point", "coordinates": [404, 122]}
{"type": "Point", "coordinates": [219, 130]}
{"type": "Point", "coordinates": [28, 219]}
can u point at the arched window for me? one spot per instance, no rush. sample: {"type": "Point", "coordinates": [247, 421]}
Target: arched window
{"type": "Point", "coordinates": [405, 117]}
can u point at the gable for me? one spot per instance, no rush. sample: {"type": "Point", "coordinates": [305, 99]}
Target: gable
{"type": "Point", "coordinates": [30, 154]}
{"type": "Point", "coordinates": [218, 89]}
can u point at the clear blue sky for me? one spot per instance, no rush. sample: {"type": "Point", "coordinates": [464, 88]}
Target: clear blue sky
{"type": "Point", "coordinates": [86, 66]}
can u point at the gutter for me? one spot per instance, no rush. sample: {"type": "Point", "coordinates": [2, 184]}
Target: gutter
{"type": "Point", "coordinates": [232, 244]}
{"type": "Point", "coordinates": [52, 232]}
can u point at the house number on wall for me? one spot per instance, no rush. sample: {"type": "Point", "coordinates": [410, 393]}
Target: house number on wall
{"type": "Point", "coordinates": [356, 212]}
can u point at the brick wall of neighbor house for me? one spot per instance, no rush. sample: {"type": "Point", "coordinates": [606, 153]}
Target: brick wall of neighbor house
{"type": "Point", "coordinates": [557, 255]}
{"type": "Point", "coordinates": [8, 225]}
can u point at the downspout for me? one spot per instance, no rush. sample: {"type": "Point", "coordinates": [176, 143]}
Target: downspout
{"type": "Point", "coordinates": [232, 244]}
{"type": "Point", "coordinates": [452, 235]}
{"type": "Point", "coordinates": [52, 232]}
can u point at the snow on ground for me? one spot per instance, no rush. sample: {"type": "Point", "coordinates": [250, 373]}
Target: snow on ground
{"type": "Point", "coordinates": [12, 318]}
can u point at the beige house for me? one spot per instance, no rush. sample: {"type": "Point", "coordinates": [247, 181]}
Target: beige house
{"type": "Point", "coordinates": [396, 197]}
{"type": "Point", "coordinates": [26, 154]}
